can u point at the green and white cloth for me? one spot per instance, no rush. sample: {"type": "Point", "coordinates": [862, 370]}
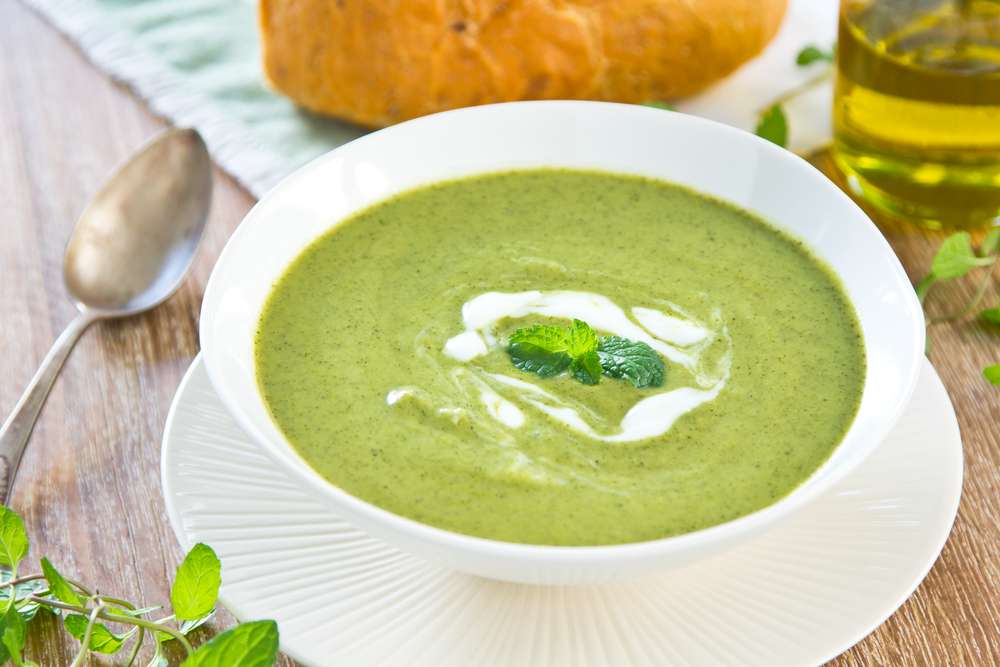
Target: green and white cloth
{"type": "Point", "coordinates": [197, 63]}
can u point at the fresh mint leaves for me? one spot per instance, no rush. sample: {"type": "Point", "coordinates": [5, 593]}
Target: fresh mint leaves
{"type": "Point", "coordinates": [196, 587]}
{"type": "Point", "coordinates": [955, 258]}
{"type": "Point", "coordinates": [58, 585]}
{"type": "Point", "coordinates": [101, 640]}
{"type": "Point", "coordinates": [773, 126]}
{"type": "Point", "coordinates": [253, 644]}
{"type": "Point", "coordinates": [540, 350]}
{"type": "Point", "coordinates": [85, 612]}
{"type": "Point", "coordinates": [548, 351]}
{"type": "Point", "coordinates": [634, 361]}
{"type": "Point", "coordinates": [13, 539]}
{"type": "Point", "coordinates": [991, 315]}
{"type": "Point", "coordinates": [813, 54]}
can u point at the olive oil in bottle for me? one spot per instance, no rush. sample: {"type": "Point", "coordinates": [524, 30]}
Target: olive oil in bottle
{"type": "Point", "coordinates": [917, 108]}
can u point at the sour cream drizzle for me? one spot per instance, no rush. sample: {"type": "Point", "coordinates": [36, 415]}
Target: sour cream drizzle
{"type": "Point", "coordinates": [679, 339]}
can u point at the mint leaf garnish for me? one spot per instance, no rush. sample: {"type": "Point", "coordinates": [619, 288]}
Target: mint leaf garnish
{"type": "Point", "coordinates": [196, 587]}
{"type": "Point", "coordinates": [550, 339]}
{"type": "Point", "coordinates": [634, 361]}
{"type": "Point", "coordinates": [538, 360]}
{"type": "Point", "coordinates": [581, 340]}
{"type": "Point", "coordinates": [587, 368]}
{"type": "Point", "coordinates": [773, 126]}
{"type": "Point", "coordinates": [548, 351]}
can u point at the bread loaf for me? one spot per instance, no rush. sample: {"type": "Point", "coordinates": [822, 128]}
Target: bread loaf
{"type": "Point", "coordinates": [378, 62]}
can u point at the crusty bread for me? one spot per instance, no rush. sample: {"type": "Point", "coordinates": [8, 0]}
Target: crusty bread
{"type": "Point", "coordinates": [378, 62]}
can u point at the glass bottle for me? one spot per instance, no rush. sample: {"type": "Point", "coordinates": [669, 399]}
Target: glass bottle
{"type": "Point", "coordinates": [917, 108]}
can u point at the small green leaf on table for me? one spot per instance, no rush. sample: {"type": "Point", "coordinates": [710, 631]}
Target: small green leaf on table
{"type": "Point", "coordinates": [773, 126]}
{"type": "Point", "coordinates": [196, 587]}
{"type": "Point", "coordinates": [58, 585]}
{"type": "Point", "coordinates": [991, 315]}
{"type": "Point", "coordinates": [13, 629]}
{"type": "Point", "coordinates": [253, 644]}
{"type": "Point", "coordinates": [813, 54]}
{"type": "Point", "coordinates": [13, 538]}
{"type": "Point", "coordinates": [992, 373]}
{"type": "Point", "coordinates": [955, 258]}
{"type": "Point", "coordinates": [102, 640]}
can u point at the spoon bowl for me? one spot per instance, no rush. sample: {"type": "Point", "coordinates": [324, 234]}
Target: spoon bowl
{"type": "Point", "coordinates": [130, 251]}
{"type": "Point", "coordinates": [137, 237]}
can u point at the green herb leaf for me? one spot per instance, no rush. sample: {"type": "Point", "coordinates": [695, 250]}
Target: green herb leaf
{"type": "Point", "coordinates": [924, 286]}
{"type": "Point", "coordinates": [991, 243]}
{"type": "Point", "coordinates": [587, 368]}
{"type": "Point", "coordinates": [634, 361]}
{"type": "Point", "coordinates": [253, 644]}
{"type": "Point", "coordinates": [773, 126]}
{"type": "Point", "coordinates": [13, 635]}
{"type": "Point", "coordinates": [533, 359]}
{"type": "Point", "coordinates": [196, 587]}
{"type": "Point", "coordinates": [22, 591]}
{"type": "Point", "coordinates": [955, 258]}
{"type": "Point", "coordinates": [666, 106]}
{"type": "Point", "coordinates": [13, 538]}
{"type": "Point", "coordinates": [581, 339]}
{"type": "Point", "coordinates": [58, 585]}
{"type": "Point", "coordinates": [813, 54]}
{"type": "Point", "coordinates": [550, 339]}
{"type": "Point", "coordinates": [102, 640]}
{"type": "Point", "coordinates": [991, 315]}
{"type": "Point", "coordinates": [992, 373]}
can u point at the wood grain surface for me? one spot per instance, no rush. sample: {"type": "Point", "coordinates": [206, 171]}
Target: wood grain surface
{"type": "Point", "coordinates": [89, 488]}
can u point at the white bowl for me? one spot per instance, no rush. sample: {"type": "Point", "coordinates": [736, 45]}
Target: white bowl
{"type": "Point", "coordinates": [711, 158]}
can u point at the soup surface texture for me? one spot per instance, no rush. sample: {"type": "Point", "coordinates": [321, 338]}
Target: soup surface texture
{"type": "Point", "coordinates": [382, 356]}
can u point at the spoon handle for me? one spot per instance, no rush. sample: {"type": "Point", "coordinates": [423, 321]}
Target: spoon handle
{"type": "Point", "coordinates": [17, 429]}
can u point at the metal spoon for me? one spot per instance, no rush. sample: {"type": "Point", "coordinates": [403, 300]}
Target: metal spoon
{"type": "Point", "coordinates": [130, 251]}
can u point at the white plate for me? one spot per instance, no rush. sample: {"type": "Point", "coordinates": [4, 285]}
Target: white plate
{"type": "Point", "coordinates": [801, 594]}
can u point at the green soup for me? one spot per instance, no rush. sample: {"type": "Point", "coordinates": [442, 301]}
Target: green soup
{"type": "Point", "coordinates": [381, 354]}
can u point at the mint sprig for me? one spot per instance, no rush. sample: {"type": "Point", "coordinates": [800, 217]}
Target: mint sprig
{"type": "Point", "coordinates": [89, 616]}
{"type": "Point", "coordinates": [956, 258]}
{"type": "Point", "coordinates": [548, 351]}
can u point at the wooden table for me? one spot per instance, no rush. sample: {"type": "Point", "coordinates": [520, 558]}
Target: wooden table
{"type": "Point", "coordinates": [89, 489]}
